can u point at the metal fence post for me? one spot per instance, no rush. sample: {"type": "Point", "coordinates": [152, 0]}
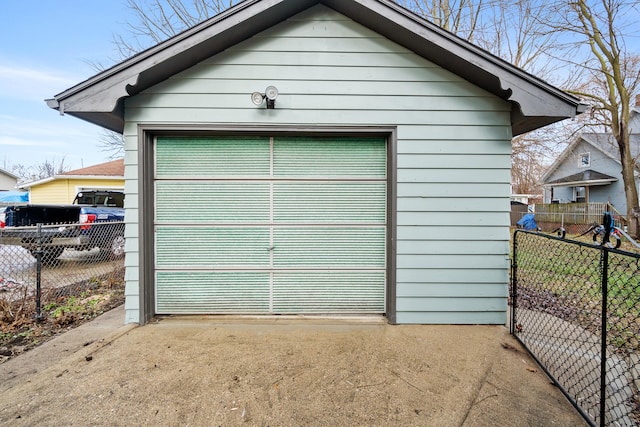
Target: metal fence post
{"type": "Point", "coordinates": [514, 283]}
{"type": "Point", "coordinates": [38, 316]}
{"type": "Point", "coordinates": [603, 349]}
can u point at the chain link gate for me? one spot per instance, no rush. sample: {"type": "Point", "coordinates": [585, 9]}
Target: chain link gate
{"type": "Point", "coordinates": [576, 308]}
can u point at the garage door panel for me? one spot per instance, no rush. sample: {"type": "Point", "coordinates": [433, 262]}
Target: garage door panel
{"type": "Point", "coordinates": [329, 292]}
{"type": "Point", "coordinates": [206, 202]}
{"type": "Point", "coordinates": [328, 202]}
{"type": "Point", "coordinates": [338, 247]}
{"type": "Point", "coordinates": [180, 157]}
{"type": "Point", "coordinates": [270, 225]}
{"type": "Point", "coordinates": [324, 157]}
{"type": "Point", "coordinates": [212, 293]}
{"type": "Point", "coordinates": [212, 247]}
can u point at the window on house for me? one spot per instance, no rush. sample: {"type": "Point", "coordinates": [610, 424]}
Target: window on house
{"type": "Point", "coordinates": [584, 160]}
{"type": "Point", "coordinates": [580, 195]}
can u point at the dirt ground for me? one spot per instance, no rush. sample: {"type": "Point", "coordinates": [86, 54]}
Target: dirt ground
{"type": "Point", "coordinates": [206, 371]}
{"type": "Point", "coordinates": [63, 309]}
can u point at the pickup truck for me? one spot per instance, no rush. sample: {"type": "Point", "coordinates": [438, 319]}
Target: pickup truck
{"type": "Point", "coordinates": [76, 226]}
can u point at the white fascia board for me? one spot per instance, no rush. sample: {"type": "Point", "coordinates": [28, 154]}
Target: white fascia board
{"type": "Point", "coordinates": [590, 183]}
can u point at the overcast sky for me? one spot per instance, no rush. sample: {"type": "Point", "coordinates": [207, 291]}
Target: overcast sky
{"type": "Point", "coordinates": [45, 48]}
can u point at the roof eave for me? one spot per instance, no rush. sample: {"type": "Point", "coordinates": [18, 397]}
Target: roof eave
{"type": "Point", "coordinates": [588, 183]}
{"type": "Point", "coordinates": [9, 174]}
{"type": "Point", "coordinates": [103, 177]}
{"type": "Point", "coordinates": [70, 177]}
{"type": "Point", "coordinates": [38, 182]}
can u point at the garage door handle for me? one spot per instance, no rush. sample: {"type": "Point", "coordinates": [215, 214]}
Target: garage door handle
{"type": "Point", "coordinates": [271, 248]}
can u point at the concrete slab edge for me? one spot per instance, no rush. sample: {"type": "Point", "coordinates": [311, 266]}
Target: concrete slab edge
{"type": "Point", "coordinates": [103, 342]}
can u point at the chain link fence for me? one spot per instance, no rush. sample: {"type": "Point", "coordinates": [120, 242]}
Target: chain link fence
{"type": "Point", "coordinates": [576, 308]}
{"type": "Point", "coordinates": [43, 267]}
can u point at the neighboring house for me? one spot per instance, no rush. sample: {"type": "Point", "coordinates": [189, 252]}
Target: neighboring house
{"type": "Point", "coordinates": [376, 182]}
{"type": "Point", "coordinates": [8, 181]}
{"type": "Point", "coordinates": [589, 169]}
{"type": "Point", "coordinates": [62, 188]}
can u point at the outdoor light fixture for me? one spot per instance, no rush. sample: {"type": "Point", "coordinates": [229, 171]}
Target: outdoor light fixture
{"type": "Point", "coordinates": [270, 94]}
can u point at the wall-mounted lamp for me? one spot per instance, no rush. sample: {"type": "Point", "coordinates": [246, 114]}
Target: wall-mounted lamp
{"type": "Point", "coordinates": [270, 94]}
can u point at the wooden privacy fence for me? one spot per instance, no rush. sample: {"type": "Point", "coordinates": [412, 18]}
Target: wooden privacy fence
{"type": "Point", "coordinates": [575, 213]}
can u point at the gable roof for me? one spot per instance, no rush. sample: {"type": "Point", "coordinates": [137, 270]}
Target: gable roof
{"type": "Point", "coordinates": [113, 170]}
{"type": "Point", "coordinates": [9, 174]}
{"type": "Point", "coordinates": [602, 142]}
{"type": "Point", "coordinates": [100, 99]}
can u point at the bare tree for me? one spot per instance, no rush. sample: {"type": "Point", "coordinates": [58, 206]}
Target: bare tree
{"type": "Point", "coordinates": [533, 152]}
{"type": "Point", "coordinates": [462, 17]}
{"type": "Point", "coordinates": [516, 31]}
{"type": "Point", "coordinates": [112, 143]}
{"type": "Point", "coordinates": [157, 20]}
{"type": "Point", "coordinates": [610, 77]}
{"type": "Point", "coordinates": [39, 171]}
{"type": "Point", "coordinates": [518, 35]}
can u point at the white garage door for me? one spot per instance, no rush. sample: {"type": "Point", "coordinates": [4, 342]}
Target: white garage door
{"type": "Point", "coordinates": [251, 225]}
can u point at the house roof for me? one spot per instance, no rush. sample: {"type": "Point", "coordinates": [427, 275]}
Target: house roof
{"type": "Point", "coordinates": [602, 142]}
{"type": "Point", "coordinates": [609, 146]}
{"type": "Point", "coordinates": [109, 170]}
{"type": "Point", "coordinates": [100, 99]}
{"type": "Point", "coordinates": [112, 168]}
{"type": "Point", "coordinates": [9, 174]}
{"type": "Point", "coordinates": [585, 178]}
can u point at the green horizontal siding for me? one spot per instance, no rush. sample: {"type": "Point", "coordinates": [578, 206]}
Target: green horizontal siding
{"type": "Point", "coordinates": [452, 290]}
{"type": "Point", "coordinates": [461, 190]}
{"type": "Point", "coordinates": [452, 175]}
{"type": "Point", "coordinates": [466, 107]}
{"type": "Point", "coordinates": [479, 219]}
{"type": "Point", "coordinates": [174, 90]}
{"type": "Point", "coordinates": [461, 317]}
{"type": "Point", "coordinates": [461, 147]}
{"type": "Point", "coordinates": [453, 204]}
{"type": "Point", "coordinates": [461, 261]}
{"type": "Point", "coordinates": [327, 72]}
{"type": "Point", "coordinates": [459, 162]}
{"type": "Point", "coordinates": [448, 134]}
{"type": "Point", "coordinates": [460, 123]}
{"type": "Point", "coordinates": [451, 247]}
{"type": "Point", "coordinates": [452, 304]}
{"type": "Point", "coordinates": [444, 276]}
{"type": "Point", "coordinates": [438, 232]}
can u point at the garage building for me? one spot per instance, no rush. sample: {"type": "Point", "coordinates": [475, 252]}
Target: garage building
{"type": "Point", "coordinates": [330, 157]}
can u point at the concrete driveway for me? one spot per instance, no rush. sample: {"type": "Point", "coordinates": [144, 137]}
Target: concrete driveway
{"type": "Point", "coordinates": [209, 371]}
